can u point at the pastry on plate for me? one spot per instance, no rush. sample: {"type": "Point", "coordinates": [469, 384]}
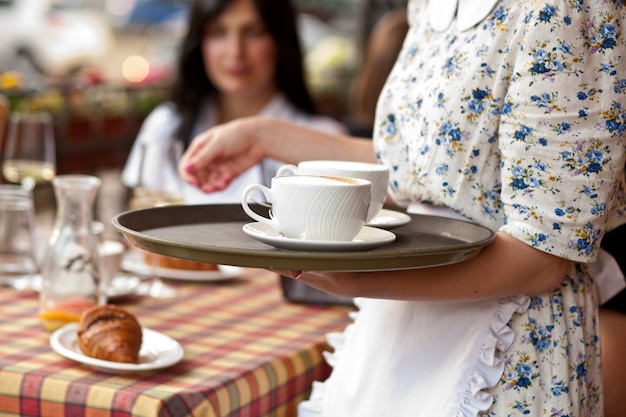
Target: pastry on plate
{"type": "Point", "coordinates": [110, 333]}
{"type": "Point", "coordinates": [170, 262]}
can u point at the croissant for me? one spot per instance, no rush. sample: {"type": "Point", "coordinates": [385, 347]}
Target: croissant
{"type": "Point", "coordinates": [110, 333]}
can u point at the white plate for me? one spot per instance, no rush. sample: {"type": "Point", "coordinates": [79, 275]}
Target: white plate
{"type": "Point", "coordinates": [121, 285]}
{"type": "Point", "coordinates": [388, 219]}
{"type": "Point", "coordinates": [133, 262]}
{"type": "Point", "coordinates": [157, 351]}
{"type": "Point", "coordinates": [368, 238]}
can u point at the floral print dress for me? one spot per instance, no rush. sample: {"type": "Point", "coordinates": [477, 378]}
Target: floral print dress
{"type": "Point", "coordinates": [518, 124]}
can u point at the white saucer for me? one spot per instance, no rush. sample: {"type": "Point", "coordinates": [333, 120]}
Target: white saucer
{"type": "Point", "coordinates": [133, 262]}
{"type": "Point", "coordinates": [121, 285]}
{"type": "Point", "coordinates": [368, 238]}
{"type": "Point", "coordinates": [157, 351]}
{"type": "Point", "coordinates": [388, 219]}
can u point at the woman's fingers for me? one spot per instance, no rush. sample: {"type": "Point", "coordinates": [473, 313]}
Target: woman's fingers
{"type": "Point", "coordinates": [200, 165]}
{"type": "Point", "coordinates": [220, 154]}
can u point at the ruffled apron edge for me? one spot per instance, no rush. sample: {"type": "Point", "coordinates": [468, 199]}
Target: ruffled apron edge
{"type": "Point", "coordinates": [490, 366]}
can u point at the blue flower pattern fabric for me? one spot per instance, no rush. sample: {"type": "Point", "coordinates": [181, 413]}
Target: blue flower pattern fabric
{"type": "Point", "coordinates": [520, 127]}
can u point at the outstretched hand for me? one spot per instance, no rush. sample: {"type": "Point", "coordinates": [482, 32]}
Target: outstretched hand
{"type": "Point", "coordinates": [220, 154]}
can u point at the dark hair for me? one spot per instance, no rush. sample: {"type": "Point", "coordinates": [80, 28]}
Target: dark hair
{"type": "Point", "coordinates": [192, 84]}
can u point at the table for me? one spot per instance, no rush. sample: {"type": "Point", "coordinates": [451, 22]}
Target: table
{"type": "Point", "coordinates": [248, 352]}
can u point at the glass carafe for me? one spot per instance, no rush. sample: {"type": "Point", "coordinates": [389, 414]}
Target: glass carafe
{"type": "Point", "coordinates": [71, 267]}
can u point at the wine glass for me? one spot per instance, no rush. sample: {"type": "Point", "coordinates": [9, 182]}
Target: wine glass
{"type": "Point", "coordinates": [158, 184]}
{"type": "Point", "coordinates": [29, 155]}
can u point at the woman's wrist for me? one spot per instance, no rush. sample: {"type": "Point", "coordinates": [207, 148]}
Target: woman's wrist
{"type": "Point", "coordinates": [259, 129]}
{"type": "Point", "coordinates": [276, 138]}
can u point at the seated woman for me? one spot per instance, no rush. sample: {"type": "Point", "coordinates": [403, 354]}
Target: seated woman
{"type": "Point", "coordinates": [239, 58]}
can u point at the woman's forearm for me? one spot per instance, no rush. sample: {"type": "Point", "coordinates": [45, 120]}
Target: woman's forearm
{"type": "Point", "coordinates": [504, 268]}
{"type": "Point", "coordinates": [293, 143]}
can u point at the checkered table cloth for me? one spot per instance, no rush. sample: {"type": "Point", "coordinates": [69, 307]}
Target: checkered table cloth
{"type": "Point", "coordinates": [248, 352]}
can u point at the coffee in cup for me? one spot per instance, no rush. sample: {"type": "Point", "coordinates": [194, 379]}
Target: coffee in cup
{"type": "Point", "coordinates": [377, 174]}
{"type": "Point", "coordinates": [313, 207]}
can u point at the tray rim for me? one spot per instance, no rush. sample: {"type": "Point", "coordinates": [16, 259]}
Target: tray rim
{"type": "Point", "coordinates": [309, 260]}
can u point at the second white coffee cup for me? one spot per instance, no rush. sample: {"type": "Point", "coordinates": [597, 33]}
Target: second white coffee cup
{"type": "Point", "coordinates": [377, 174]}
{"type": "Point", "coordinates": [313, 207]}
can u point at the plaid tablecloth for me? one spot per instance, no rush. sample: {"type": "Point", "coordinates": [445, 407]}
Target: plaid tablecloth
{"type": "Point", "coordinates": [248, 352]}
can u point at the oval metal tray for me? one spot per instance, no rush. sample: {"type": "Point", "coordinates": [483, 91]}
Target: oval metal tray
{"type": "Point", "coordinates": [213, 233]}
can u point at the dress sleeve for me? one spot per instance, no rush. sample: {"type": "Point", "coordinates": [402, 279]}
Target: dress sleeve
{"type": "Point", "coordinates": [563, 125]}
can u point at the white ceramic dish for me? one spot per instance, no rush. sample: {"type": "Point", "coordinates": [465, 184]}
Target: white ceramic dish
{"type": "Point", "coordinates": [388, 219]}
{"type": "Point", "coordinates": [368, 238]}
{"type": "Point", "coordinates": [133, 262]}
{"type": "Point", "coordinates": [122, 285]}
{"type": "Point", "coordinates": [157, 351]}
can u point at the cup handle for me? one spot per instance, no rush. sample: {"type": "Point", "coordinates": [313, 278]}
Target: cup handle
{"type": "Point", "coordinates": [268, 196]}
{"type": "Point", "coordinates": [286, 170]}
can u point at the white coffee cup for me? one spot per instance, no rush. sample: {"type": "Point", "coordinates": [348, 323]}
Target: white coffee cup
{"type": "Point", "coordinates": [377, 174]}
{"type": "Point", "coordinates": [314, 207]}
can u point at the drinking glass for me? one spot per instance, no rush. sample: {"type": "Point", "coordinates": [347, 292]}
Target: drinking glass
{"type": "Point", "coordinates": [29, 154]}
{"type": "Point", "coordinates": [18, 262]}
{"type": "Point", "coordinates": [15, 190]}
{"type": "Point", "coordinates": [158, 184]}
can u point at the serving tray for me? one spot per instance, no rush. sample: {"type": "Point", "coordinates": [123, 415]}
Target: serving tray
{"type": "Point", "coordinates": [213, 233]}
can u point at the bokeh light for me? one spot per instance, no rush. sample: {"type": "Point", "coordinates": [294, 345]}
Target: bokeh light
{"type": "Point", "coordinates": [135, 68]}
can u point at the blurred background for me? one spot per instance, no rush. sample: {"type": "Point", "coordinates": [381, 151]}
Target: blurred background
{"type": "Point", "coordinates": [100, 66]}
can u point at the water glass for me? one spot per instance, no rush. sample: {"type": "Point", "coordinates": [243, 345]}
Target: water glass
{"type": "Point", "coordinates": [15, 189]}
{"type": "Point", "coordinates": [17, 241]}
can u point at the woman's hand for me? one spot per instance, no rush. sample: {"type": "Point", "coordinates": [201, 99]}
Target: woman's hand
{"type": "Point", "coordinates": [220, 154]}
